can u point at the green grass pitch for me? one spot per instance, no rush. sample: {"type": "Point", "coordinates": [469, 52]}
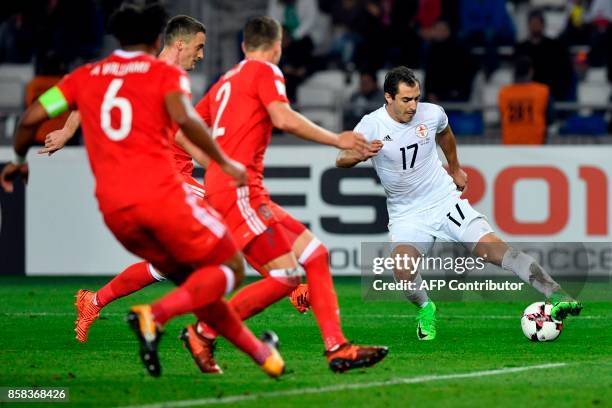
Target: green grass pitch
{"type": "Point", "coordinates": [37, 348]}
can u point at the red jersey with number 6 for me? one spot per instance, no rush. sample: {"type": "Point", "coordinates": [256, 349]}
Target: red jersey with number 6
{"type": "Point", "coordinates": [235, 109]}
{"type": "Point", "coordinates": [126, 125]}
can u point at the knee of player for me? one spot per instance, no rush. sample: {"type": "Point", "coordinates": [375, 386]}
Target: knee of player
{"type": "Point", "coordinates": [236, 264]}
{"type": "Point", "coordinates": [290, 277]}
{"type": "Point", "coordinates": [314, 250]}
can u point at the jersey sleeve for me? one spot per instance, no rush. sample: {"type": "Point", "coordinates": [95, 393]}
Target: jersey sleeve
{"type": "Point", "coordinates": [175, 79]}
{"type": "Point", "coordinates": [271, 85]}
{"type": "Point", "coordinates": [203, 109]}
{"type": "Point", "coordinates": [62, 96]}
{"type": "Point", "coordinates": [366, 128]}
{"type": "Point", "coordinates": [442, 120]}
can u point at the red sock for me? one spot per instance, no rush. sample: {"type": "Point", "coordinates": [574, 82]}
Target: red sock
{"type": "Point", "coordinates": [226, 321]}
{"type": "Point", "coordinates": [252, 299]}
{"type": "Point", "coordinates": [203, 287]}
{"type": "Point", "coordinates": [323, 299]}
{"type": "Point", "coordinates": [132, 279]}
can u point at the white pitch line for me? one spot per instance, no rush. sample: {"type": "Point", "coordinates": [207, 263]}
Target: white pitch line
{"type": "Point", "coordinates": [454, 316]}
{"type": "Point", "coordinates": [348, 316]}
{"type": "Point", "coordinates": [342, 387]}
{"type": "Point", "coordinates": [61, 314]}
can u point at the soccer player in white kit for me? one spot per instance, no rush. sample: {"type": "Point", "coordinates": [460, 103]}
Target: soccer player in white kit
{"type": "Point", "coordinates": [424, 200]}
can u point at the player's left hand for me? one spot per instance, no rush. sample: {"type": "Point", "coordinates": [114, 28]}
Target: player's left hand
{"type": "Point", "coordinates": [10, 172]}
{"type": "Point", "coordinates": [460, 178]}
{"type": "Point", "coordinates": [55, 141]}
{"type": "Point", "coordinates": [236, 170]}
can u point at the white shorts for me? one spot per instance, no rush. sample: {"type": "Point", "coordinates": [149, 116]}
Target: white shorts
{"type": "Point", "coordinates": [453, 220]}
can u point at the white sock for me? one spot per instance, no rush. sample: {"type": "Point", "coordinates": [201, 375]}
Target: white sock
{"type": "Point", "coordinates": [418, 296]}
{"type": "Point", "coordinates": [531, 272]}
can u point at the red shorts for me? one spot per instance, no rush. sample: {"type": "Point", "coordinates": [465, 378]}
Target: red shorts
{"type": "Point", "coordinates": [254, 225]}
{"type": "Point", "coordinates": [196, 187]}
{"type": "Point", "coordinates": [175, 234]}
{"type": "Point", "coordinates": [292, 227]}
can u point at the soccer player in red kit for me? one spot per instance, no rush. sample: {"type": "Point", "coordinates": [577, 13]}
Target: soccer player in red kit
{"type": "Point", "coordinates": [127, 103]}
{"type": "Point", "coordinates": [242, 108]}
{"type": "Point", "coordinates": [184, 40]}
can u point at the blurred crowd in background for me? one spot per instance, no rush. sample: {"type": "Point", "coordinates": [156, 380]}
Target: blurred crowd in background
{"type": "Point", "coordinates": [453, 44]}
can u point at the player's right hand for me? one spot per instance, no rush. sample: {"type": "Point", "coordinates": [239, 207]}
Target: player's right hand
{"type": "Point", "coordinates": [10, 172]}
{"type": "Point", "coordinates": [373, 149]}
{"type": "Point", "coordinates": [353, 141]}
{"type": "Point", "coordinates": [236, 170]}
{"type": "Point", "coordinates": [460, 178]}
{"type": "Point", "coordinates": [54, 141]}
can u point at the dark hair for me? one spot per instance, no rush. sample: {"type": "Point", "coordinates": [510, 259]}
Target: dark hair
{"type": "Point", "coordinates": [522, 66]}
{"type": "Point", "coordinates": [132, 24]}
{"type": "Point", "coordinates": [261, 32]}
{"type": "Point", "coordinates": [182, 26]}
{"type": "Point", "coordinates": [397, 75]}
{"type": "Point", "coordinates": [536, 13]}
{"type": "Point", "coordinates": [370, 73]}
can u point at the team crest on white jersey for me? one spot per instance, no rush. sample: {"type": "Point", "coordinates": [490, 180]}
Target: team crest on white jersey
{"type": "Point", "coordinates": [421, 131]}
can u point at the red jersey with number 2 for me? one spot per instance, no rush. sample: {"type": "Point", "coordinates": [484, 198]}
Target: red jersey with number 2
{"type": "Point", "coordinates": [126, 125]}
{"type": "Point", "coordinates": [235, 109]}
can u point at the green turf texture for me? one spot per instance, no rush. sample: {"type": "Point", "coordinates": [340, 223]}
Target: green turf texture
{"type": "Point", "coordinates": [37, 348]}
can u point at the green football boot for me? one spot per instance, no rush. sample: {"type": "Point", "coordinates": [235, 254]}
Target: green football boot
{"type": "Point", "coordinates": [426, 318]}
{"type": "Point", "coordinates": [563, 306]}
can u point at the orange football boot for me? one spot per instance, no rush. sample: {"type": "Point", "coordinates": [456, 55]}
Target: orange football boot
{"type": "Point", "coordinates": [299, 298]}
{"type": "Point", "coordinates": [349, 356]}
{"type": "Point", "coordinates": [87, 313]}
{"type": "Point", "coordinates": [201, 349]}
{"type": "Point", "coordinates": [274, 365]}
{"type": "Point", "coordinates": [148, 334]}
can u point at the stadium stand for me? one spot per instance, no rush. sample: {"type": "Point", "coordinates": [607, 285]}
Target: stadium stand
{"type": "Point", "coordinates": [325, 92]}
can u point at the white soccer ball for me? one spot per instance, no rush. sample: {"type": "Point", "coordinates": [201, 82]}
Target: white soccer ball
{"type": "Point", "coordinates": [538, 324]}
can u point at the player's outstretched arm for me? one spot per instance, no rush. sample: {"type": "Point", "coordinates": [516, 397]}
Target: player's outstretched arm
{"type": "Point", "coordinates": [23, 140]}
{"type": "Point", "coordinates": [183, 114]}
{"type": "Point", "coordinates": [290, 121]}
{"type": "Point", "coordinates": [350, 158]}
{"type": "Point", "coordinates": [57, 139]}
{"type": "Point", "coordinates": [447, 142]}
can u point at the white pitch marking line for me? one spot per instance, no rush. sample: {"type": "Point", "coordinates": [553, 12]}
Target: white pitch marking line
{"type": "Point", "coordinates": [342, 387]}
{"type": "Point", "coordinates": [450, 316]}
{"type": "Point", "coordinates": [26, 314]}
{"type": "Point", "coordinates": [348, 316]}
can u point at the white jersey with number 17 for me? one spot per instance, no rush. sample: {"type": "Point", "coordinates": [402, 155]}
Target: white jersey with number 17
{"type": "Point", "coordinates": [408, 164]}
